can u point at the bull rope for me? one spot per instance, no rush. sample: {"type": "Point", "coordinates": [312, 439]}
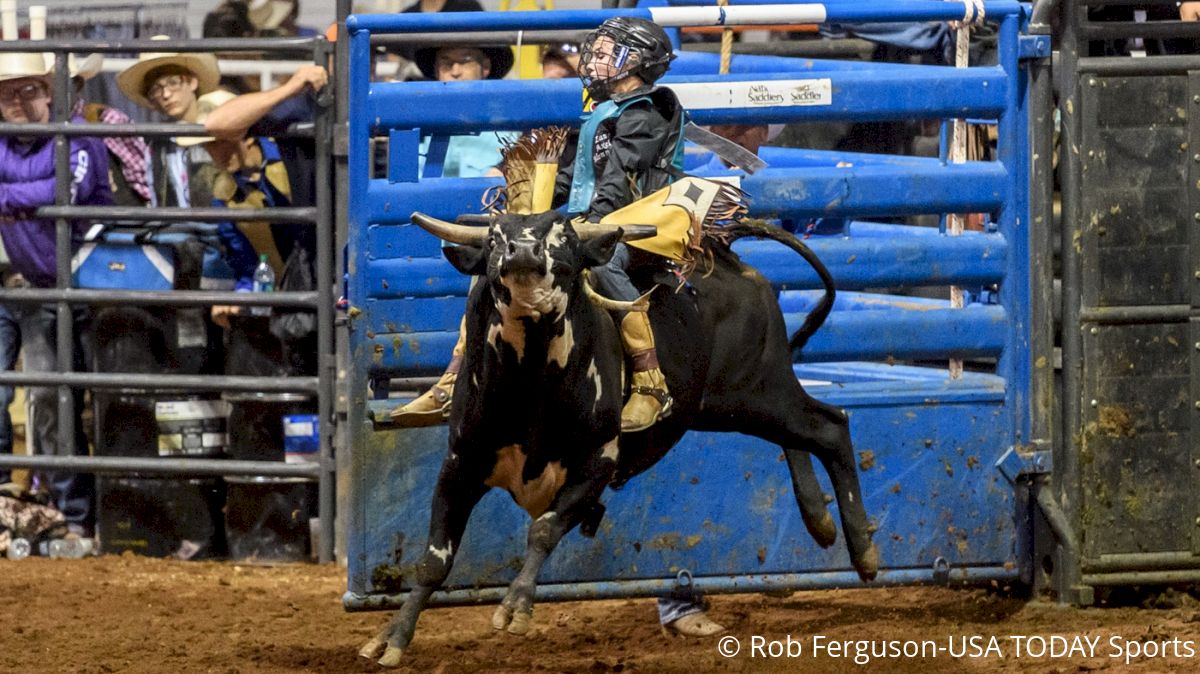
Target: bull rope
{"type": "Point", "coordinates": [973, 14]}
{"type": "Point", "coordinates": [726, 43]}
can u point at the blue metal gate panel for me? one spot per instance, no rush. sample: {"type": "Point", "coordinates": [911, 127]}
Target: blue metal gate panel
{"type": "Point", "coordinates": [721, 504]}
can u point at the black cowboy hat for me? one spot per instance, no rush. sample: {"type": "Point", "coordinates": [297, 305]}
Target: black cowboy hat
{"type": "Point", "coordinates": [501, 58]}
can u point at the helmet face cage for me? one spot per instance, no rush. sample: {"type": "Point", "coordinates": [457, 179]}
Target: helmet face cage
{"type": "Point", "coordinates": [603, 61]}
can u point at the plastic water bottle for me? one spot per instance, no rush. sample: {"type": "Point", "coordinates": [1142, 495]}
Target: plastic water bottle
{"type": "Point", "coordinates": [76, 548]}
{"type": "Point", "coordinates": [264, 282]}
{"type": "Point", "coordinates": [19, 548]}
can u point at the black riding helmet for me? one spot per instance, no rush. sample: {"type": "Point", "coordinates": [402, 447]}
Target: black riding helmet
{"type": "Point", "coordinates": [642, 45]}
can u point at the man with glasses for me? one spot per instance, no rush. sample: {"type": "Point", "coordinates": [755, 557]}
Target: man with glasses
{"type": "Point", "coordinates": [27, 182]}
{"type": "Point", "coordinates": [175, 86]}
{"type": "Point", "coordinates": [467, 156]}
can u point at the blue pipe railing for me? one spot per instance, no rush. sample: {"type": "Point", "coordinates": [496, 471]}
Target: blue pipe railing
{"type": "Point", "coordinates": [929, 92]}
{"type": "Point", "coordinates": [833, 12]}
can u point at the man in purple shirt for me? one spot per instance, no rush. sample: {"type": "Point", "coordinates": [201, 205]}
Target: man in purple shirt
{"type": "Point", "coordinates": [27, 182]}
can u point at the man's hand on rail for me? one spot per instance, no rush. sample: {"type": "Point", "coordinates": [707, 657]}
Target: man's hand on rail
{"type": "Point", "coordinates": [221, 314]}
{"type": "Point", "coordinates": [314, 76]}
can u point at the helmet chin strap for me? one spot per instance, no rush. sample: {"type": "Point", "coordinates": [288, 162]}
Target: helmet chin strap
{"type": "Point", "coordinates": [601, 90]}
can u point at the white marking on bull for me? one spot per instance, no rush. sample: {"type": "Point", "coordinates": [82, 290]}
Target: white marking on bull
{"type": "Point", "coordinates": [594, 373]}
{"type": "Point", "coordinates": [612, 449]}
{"type": "Point", "coordinates": [557, 236]}
{"type": "Point", "coordinates": [550, 514]}
{"type": "Point", "coordinates": [561, 346]}
{"type": "Point", "coordinates": [443, 554]}
{"type": "Point", "coordinates": [511, 332]}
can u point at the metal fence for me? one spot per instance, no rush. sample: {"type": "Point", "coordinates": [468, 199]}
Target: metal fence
{"type": "Point", "coordinates": [321, 300]}
{"type": "Point", "coordinates": [1122, 502]}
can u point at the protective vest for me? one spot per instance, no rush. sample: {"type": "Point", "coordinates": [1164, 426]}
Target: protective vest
{"type": "Point", "coordinates": [583, 180]}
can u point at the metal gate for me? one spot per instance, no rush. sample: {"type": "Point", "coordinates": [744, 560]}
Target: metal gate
{"type": "Point", "coordinates": [937, 456]}
{"type": "Point", "coordinates": [1131, 324]}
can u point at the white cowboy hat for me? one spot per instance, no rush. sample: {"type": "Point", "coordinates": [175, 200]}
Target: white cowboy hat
{"type": "Point", "coordinates": [268, 14]}
{"type": "Point", "coordinates": [15, 65]}
{"type": "Point", "coordinates": [205, 105]}
{"type": "Point", "coordinates": [131, 81]}
{"type": "Point", "coordinates": [85, 68]}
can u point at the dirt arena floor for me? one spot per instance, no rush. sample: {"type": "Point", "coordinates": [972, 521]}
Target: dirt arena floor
{"type": "Point", "coordinates": [131, 614]}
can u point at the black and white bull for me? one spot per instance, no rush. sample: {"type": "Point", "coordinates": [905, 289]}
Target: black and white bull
{"type": "Point", "coordinates": [537, 407]}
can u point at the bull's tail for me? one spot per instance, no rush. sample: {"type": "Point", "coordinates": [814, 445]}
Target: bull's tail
{"type": "Point", "coordinates": [760, 229]}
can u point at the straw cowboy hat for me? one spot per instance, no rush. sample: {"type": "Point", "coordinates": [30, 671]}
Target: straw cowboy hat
{"type": "Point", "coordinates": [15, 65]}
{"type": "Point", "coordinates": [131, 81]}
{"type": "Point", "coordinates": [205, 105]}
{"type": "Point", "coordinates": [269, 14]}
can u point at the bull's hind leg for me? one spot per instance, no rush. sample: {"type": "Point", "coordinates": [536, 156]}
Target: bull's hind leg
{"type": "Point", "coordinates": [810, 498]}
{"type": "Point", "coordinates": [827, 431]}
{"type": "Point", "coordinates": [454, 498]}
{"type": "Point", "coordinates": [824, 430]}
{"type": "Point", "coordinates": [574, 502]}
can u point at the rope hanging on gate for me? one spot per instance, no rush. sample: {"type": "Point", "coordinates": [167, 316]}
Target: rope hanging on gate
{"type": "Point", "coordinates": [726, 43]}
{"type": "Point", "coordinates": [973, 15]}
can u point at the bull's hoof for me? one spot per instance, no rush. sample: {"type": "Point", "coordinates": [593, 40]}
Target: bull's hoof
{"type": "Point", "coordinates": [868, 565]}
{"type": "Point", "coordinates": [520, 623]}
{"type": "Point", "coordinates": [823, 531]}
{"type": "Point", "coordinates": [373, 648]}
{"type": "Point", "coordinates": [501, 618]}
{"type": "Point", "coordinates": [392, 657]}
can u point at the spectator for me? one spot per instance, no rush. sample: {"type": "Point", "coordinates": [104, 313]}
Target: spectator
{"type": "Point", "coordinates": [271, 113]}
{"type": "Point", "coordinates": [253, 175]}
{"type": "Point", "coordinates": [560, 61]}
{"type": "Point", "coordinates": [173, 84]}
{"type": "Point", "coordinates": [468, 156]}
{"type": "Point", "coordinates": [277, 18]}
{"type": "Point", "coordinates": [231, 19]}
{"type": "Point", "coordinates": [1189, 11]}
{"type": "Point", "coordinates": [27, 181]}
{"type": "Point", "coordinates": [750, 136]}
{"type": "Point", "coordinates": [126, 155]}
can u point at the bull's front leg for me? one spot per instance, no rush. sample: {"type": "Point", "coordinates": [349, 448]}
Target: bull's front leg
{"type": "Point", "coordinates": [454, 497]}
{"type": "Point", "coordinates": [572, 504]}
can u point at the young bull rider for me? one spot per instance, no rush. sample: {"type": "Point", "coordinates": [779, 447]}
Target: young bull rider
{"type": "Point", "coordinates": [629, 146]}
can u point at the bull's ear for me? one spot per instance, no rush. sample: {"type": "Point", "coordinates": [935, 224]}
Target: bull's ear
{"type": "Point", "coordinates": [599, 250]}
{"type": "Point", "coordinates": [469, 260]}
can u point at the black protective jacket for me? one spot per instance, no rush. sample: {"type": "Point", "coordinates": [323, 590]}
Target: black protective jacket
{"type": "Point", "coordinates": [632, 152]}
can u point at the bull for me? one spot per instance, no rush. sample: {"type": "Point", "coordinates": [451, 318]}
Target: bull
{"type": "Point", "coordinates": [537, 407]}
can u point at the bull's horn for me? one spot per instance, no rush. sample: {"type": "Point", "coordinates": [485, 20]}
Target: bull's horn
{"type": "Point", "coordinates": [590, 230]}
{"type": "Point", "coordinates": [640, 304]}
{"type": "Point", "coordinates": [484, 219]}
{"type": "Point", "coordinates": [448, 231]}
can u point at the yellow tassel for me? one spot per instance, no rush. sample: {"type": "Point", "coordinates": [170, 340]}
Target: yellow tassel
{"type": "Point", "coordinates": [530, 167]}
{"type": "Point", "coordinates": [543, 186]}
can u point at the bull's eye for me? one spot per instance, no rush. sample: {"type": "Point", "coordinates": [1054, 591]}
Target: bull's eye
{"type": "Point", "coordinates": [512, 248]}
